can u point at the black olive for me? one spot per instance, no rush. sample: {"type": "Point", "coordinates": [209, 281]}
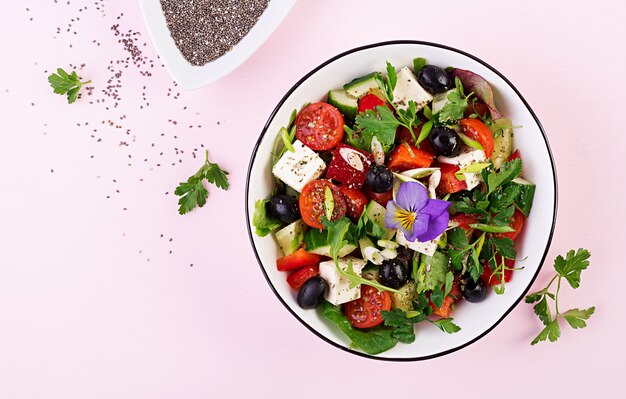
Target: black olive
{"type": "Point", "coordinates": [393, 273]}
{"type": "Point", "coordinates": [445, 141]}
{"type": "Point", "coordinates": [379, 178]}
{"type": "Point", "coordinates": [284, 208]}
{"type": "Point", "coordinates": [473, 291]}
{"type": "Point", "coordinates": [312, 292]}
{"type": "Point", "coordinates": [434, 79]}
{"type": "Point", "coordinates": [405, 256]}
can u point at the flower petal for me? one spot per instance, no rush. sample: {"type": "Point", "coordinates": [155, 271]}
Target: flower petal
{"type": "Point", "coordinates": [420, 226]}
{"type": "Point", "coordinates": [393, 218]}
{"type": "Point", "coordinates": [436, 227]}
{"type": "Point", "coordinates": [435, 207]}
{"type": "Point", "coordinates": [411, 196]}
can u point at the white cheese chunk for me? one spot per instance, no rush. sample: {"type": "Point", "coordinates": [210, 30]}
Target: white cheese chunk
{"type": "Point", "coordinates": [339, 290]}
{"type": "Point", "coordinates": [426, 248]}
{"type": "Point", "coordinates": [298, 168]}
{"type": "Point", "coordinates": [467, 157]}
{"type": "Point", "coordinates": [407, 89]}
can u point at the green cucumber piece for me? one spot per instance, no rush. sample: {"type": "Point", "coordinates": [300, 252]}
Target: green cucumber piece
{"type": "Point", "coordinates": [503, 142]}
{"type": "Point", "coordinates": [316, 241]}
{"type": "Point", "coordinates": [361, 86]}
{"type": "Point", "coordinates": [344, 102]}
{"type": "Point", "coordinates": [524, 201]}
{"type": "Point", "coordinates": [291, 237]}
{"type": "Point", "coordinates": [403, 299]}
{"type": "Point", "coordinates": [376, 213]}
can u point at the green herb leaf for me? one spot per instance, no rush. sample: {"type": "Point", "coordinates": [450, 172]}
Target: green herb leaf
{"type": "Point", "coordinates": [470, 142]}
{"type": "Point", "coordinates": [448, 285]}
{"type": "Point", "coordinates": [193, 193]}
{"type": "Point", "coordinates": [453, 110]}
{"type": "Point", "coordinates": [418, 64]}
{"type": "Point", "coordinates": [542, 311]}
{"type": "Point", "coordinates": [447, 326]}
{"type": "Point", "coordinates": [284, 135]}
{"type": "Point", "coordinates": [572, 265]}
{"type": "Point", "coordinates": [329, 203]}
{"type": "Point", "coordinates": [508, 171]}
{"type": "Point", "coordinates": [64, 83]}
{"type": "Point", "coordinates": [263, 223]}
{"type": "Point", "coordinates": [381, 124]}
{"type": "Point", "coordinates": [402, 326]}
{"type": "Point", "coordinates": [552, 332]}
{"type": "Point", "coordinates": [490, 228]}
{"type": "Point", "coordinates": [576, 317]}
{"type": "Point", "coordinates": [391, 80]}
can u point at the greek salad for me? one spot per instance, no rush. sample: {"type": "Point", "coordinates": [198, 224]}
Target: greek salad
{"type": "Point", "coordinates": [395, 198]}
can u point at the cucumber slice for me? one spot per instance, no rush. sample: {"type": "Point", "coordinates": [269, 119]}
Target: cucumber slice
{"type": "Point", "coordinates": [376, 213]}
{"type": "Point", "coordinates": [524, 200]}
{"type": "Point", "coordinates": [432, 271]}
{"type": "Point", "coordinates": [316, 241]}
{"type": "Point", "coordinates": [403, 300]}
{"type": "Point", "coordinates": [361, 86]}
{"type": "Point", "coordinates": [344, 102]}
{"type": "Point", "coordinates": [502, 142]}
{"type": "Point", "coordinates": [290, 238]}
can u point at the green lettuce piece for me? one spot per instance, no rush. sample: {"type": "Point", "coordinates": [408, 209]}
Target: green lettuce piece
{"type": "Point", "coordinates": [262, 221]}
{"type": "Point", "coordinates": [432, 272]}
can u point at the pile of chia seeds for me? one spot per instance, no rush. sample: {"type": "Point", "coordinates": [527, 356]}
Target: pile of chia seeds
{"type": "Point", "coordinates": [204, 30]}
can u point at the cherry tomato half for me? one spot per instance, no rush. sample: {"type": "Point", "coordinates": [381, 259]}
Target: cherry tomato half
{"type": "Point", "coordinates": [319, 126]}
{"type": "Point", "coordinates": [312, 200]}
{"type": "Point", "coordinates": [355, 200]}
{"type": "Point", "coordinates": [365, 311]}
{"type": "Point", "coordinates": [475, 129]}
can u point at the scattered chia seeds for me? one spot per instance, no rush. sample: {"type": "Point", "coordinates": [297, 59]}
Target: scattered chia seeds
{"type": "Point", "coordinates": [204, 30]}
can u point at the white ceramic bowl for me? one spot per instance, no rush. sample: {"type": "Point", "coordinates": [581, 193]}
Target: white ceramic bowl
{"type": "Point", "coordinates": [476, 320]}
{"type": "Point", "coordinates": [192, 77]}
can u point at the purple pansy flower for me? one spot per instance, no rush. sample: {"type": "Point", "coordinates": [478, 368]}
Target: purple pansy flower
{"type": "Point", "coordinates": [417, 216]}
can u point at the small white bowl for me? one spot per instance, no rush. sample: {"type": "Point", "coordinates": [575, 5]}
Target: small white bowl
{"type": "Point", "coordinates": [192, 77]}
{"type": "Point", "coordinates": [476, 320]}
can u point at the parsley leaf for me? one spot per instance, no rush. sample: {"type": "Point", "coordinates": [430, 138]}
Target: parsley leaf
{"type": "Point", "coordinates": [64, 83]}
{"type": "Point", "coordinates": [446, 325]}
{"type": "Point", "coordinates": [402, 326]}
{"type": "Point", "coordinates": [455, 107]}
{"type": "Point", "coordinates": [381, 124]}
{"type": "Point", "coordinates": [568, 268]}
{"type": "Point", "coordinates": [508, 171]}
{"type": "Point", "coordinates": [193, 193]}
{"type": "Point", "coordinates": [418, 64]}
{"type": "Point", "coordinates": [573, 264]}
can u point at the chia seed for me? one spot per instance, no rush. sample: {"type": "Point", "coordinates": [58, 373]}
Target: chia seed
{"type": "Point", "coordinates": [205, 30]}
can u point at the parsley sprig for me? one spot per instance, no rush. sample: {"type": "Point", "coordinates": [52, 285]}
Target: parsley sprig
{"type": "Point", "coordinates": [568, 268]}
{"type": "Point", "coordinates": [193, 193]}
{"type": "Point", "coordinates": [66, 83]}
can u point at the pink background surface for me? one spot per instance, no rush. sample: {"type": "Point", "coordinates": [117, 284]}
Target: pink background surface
{"type": "Point", "coordinates": [105, 291]}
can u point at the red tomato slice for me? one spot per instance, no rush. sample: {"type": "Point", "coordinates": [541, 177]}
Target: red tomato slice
{"type": "Point", "coordinates": [365, 311]}
{"type": "Point", "coordinates": [349, 165]}
{"type": "Point", "coordinates": [355, 200]}
{"type": "Point", "coordinates": [449, 184]}
{"type": "Point", "coordinates": [490, 279]}
{"type": "Point", "coordinates": [464, 220]}
{"type": "Point", "coordinates": [300, 276]}
{"type": "Point", "coordinates": [369, 101]}
{"type": "Point", "coordinates": [319, 126]}
{"type": "Point", "coordinates": [381, 198]}
{"type": "Point", "coordinates": [407, 156]}
{"type": "Point", "coordinates": [312, 200]}
{"type": "Point", "coordinates": [297, 260]}
{"type": "Point", "coordinates": [477, 130]}
{"type": "Point", "coordinates": [517, 222]}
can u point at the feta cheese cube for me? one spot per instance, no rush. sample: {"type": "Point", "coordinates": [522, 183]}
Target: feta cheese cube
{"type": "Point", "coordinates": [298, 168]}
{"type": "Point", "coordinates": [339, 290]}
{"type": "Point", "coordinates": [467, 157]}
{"type": "Point", "coordinates": [426, 248]}
{"type": "Point", "coordinates": [408, 89]}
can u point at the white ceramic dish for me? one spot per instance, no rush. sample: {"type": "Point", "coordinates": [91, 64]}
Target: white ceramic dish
{"type": "Point", "coordinates": [193, 77]}
{"type": "Point", "coordinates": [476, 320]}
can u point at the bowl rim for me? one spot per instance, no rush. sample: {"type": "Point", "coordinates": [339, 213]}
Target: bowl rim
{"type": "Point", "coordinates": [264, 131]}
